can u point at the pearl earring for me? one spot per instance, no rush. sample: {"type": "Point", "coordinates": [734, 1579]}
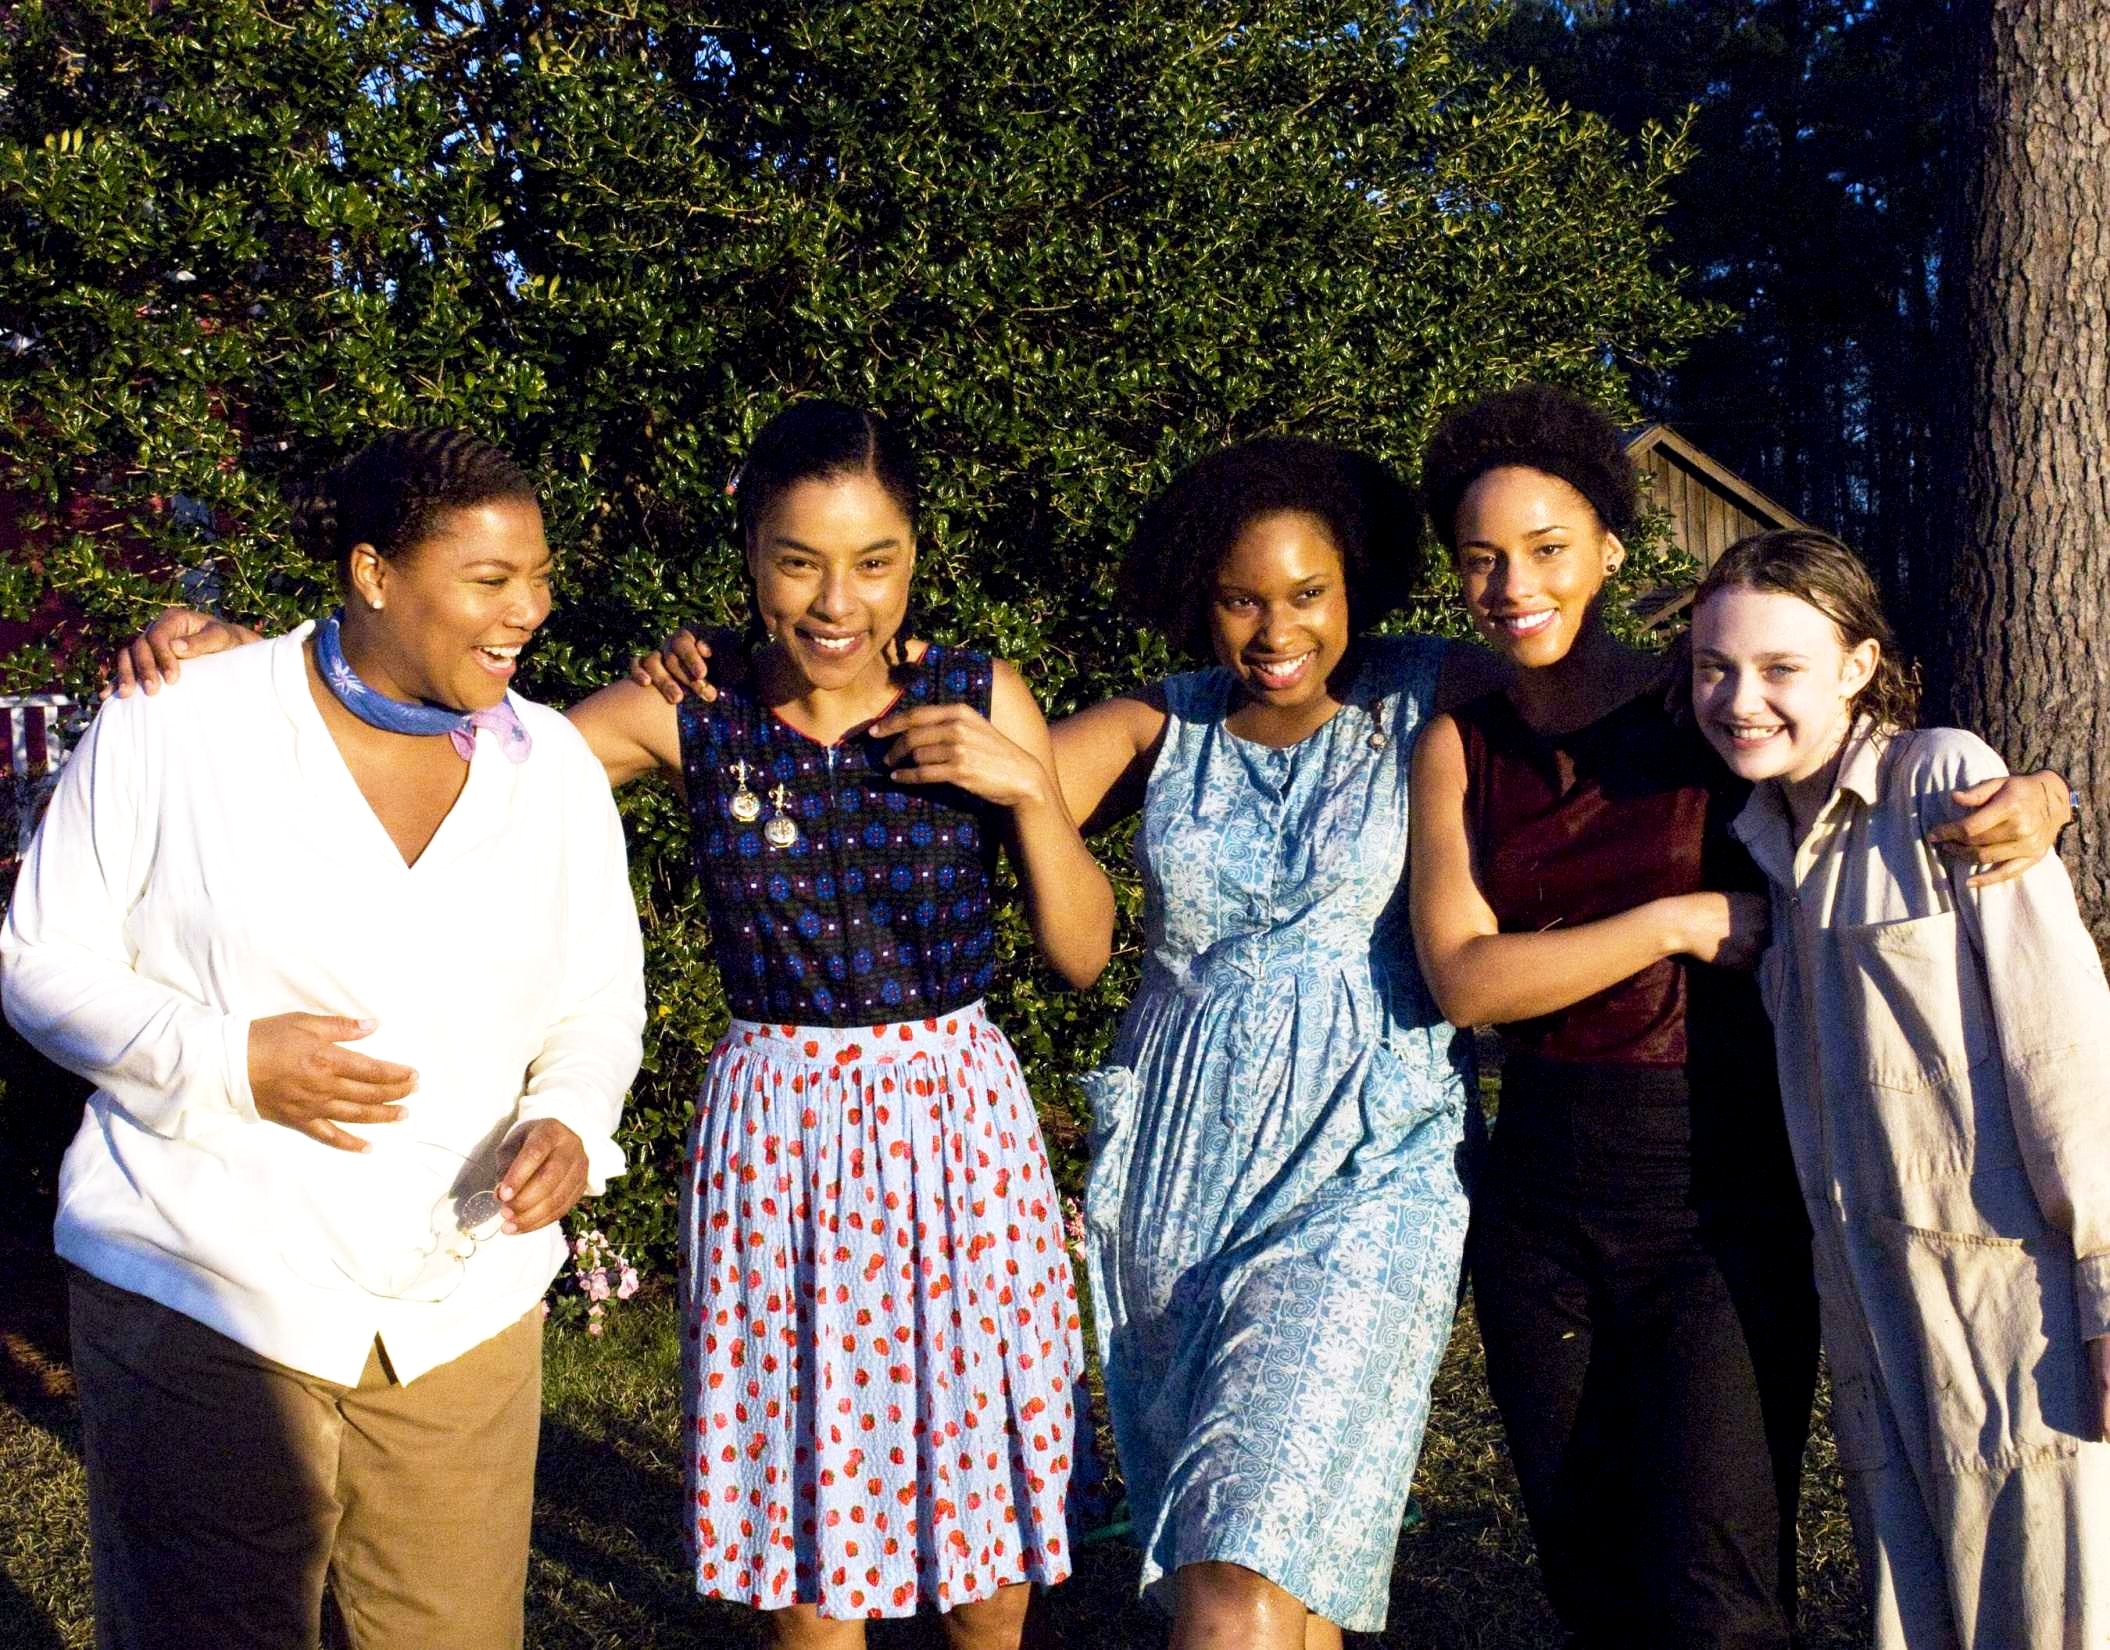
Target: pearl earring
{"type": "Point", "coordinates": [374, 602]}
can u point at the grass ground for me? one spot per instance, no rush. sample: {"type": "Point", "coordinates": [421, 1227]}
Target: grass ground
{"type": "Point", "coordinates": [607, 1571]}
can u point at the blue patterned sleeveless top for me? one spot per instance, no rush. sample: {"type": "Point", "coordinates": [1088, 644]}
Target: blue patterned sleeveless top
{"type": "Point", "coordinates": [880, 909]}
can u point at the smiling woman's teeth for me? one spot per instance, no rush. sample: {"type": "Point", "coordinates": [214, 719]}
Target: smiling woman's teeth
{"type": "Point", "coordinates": [1279, 675]}
{"type": "Point", "coordinates": [831, 644]}
{"type": "Point", "coordinates": [507, 654]}
{"type": "Point", "coordinates": [1751, 736]}
{"type": "Point", "coordinates": [1526, 624]}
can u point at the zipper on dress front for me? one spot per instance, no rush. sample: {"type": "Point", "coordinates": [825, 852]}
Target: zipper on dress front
{"type": "Point", "coordinates": [835, 855]}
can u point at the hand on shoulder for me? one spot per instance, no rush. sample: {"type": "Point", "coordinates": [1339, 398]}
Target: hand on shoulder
{"type": "Point", "coordinates": [2001, 824]}
{"type": "Point", "coordinates": [678, 667]}
{"type": "Point", "coordinates": [155, 656]}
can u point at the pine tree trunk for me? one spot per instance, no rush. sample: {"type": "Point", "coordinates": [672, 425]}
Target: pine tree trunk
{"type": "Point", "coordinates": [2029, 633]}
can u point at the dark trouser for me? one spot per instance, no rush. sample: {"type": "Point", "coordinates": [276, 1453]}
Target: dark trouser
{"type": "Point", "coordinates": [1651, 1335]}
{"type": "Point", "coordinates": [223, 1488]}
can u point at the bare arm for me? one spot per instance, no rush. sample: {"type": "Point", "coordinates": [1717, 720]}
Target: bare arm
{"type": "Point", "coordinates": [1482, 976]}
{"type": "Point", "coordinates": [631, 729]}
{"type": "Point", "coordinates": [1104, 754]}
{"type": "Point", "coordinates": [1008, 758]}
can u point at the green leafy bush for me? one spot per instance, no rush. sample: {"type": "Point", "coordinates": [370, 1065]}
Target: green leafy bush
{"type": "Point", "coordinates": [1072, 245]}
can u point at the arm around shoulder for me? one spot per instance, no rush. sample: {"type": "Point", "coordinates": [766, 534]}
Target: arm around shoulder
{"type": "Point", "coordinates": [1069, 902]}
{"type": "Point", "coordinates": [631, 729]}
{"type": "Point", "coordinates": [1999, 824]}
{"type": "Point", "coordinates": [1104, 754]}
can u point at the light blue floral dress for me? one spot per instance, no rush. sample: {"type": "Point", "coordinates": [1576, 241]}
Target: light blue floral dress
{"type": "Point", "coordinates": [1277, 1202]}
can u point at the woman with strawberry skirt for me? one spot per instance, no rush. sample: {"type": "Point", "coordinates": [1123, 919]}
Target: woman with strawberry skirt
{"type": "Point", "coordinates": [882, 1326]}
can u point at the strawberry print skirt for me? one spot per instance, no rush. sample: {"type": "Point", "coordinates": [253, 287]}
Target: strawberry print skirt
{"type": "Point", "coordinates": [882, 1327]}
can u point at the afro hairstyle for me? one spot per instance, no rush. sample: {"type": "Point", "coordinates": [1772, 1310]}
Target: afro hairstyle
{"type": "Point", "coordinates": [1372, 516]}
{"type": "Point", "coordinates": [1535, 427]}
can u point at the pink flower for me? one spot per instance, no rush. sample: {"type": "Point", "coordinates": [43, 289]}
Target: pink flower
{"type": "Point", "coordinates": [601, 1274]}
{"type": "Point", "coordinates": [1073, 1223]}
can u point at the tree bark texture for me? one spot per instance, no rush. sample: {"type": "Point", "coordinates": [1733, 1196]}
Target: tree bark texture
{"type": "Point", "coordinates": [2029, 621]}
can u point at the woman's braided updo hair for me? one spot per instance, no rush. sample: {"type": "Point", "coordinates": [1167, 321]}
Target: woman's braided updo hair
{"type": "Point", "coordinates": [1168, 576]}
{"type": "Point", "coordinates": [1532, 427]}
{"type": "Point", "coordinates": [821, 440]}
{"type": "Point", "coordinates": [1816, 568]}
{"type": "Point", "coordinates": [392, 492]}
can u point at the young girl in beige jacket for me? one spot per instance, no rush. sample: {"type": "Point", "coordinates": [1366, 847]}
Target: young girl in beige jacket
{"type": "Point", "coordinates": [1945, 1064]}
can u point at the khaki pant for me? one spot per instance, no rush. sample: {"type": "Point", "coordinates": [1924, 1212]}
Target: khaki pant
{"type": "Point", "coordinates": [224, 1488]}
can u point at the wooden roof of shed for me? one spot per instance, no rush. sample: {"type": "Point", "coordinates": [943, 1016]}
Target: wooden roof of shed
{"type": "Point", "coordinates": [1644, 439]}
{"type": "Point", "coordinates": [1729, 507]}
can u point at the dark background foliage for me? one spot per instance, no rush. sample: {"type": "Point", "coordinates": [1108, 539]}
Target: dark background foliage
{"type": "Point", "coordinates": [1823, 209]}
{"type": "Point", "coordinates": [1072, 246]}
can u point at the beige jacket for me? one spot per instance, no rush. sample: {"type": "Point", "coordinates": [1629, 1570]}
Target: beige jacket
{"type": "Point", "coordinates": [1945, 1066]}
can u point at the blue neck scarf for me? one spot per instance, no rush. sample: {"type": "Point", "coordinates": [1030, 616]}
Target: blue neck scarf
{"type": "Point", "coordinates": [379, 711]}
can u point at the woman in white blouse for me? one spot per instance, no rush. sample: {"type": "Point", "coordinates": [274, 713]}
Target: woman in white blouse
{"type": "Point", "coordinates": [345, 937]}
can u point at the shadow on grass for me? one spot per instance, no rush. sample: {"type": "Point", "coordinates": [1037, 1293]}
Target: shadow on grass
{"type": "Point", "coordinates": [23, 1623]}
{"type": "Point", "coordinates": [44, 1535]}
{"type": "Point", "coordinates": [608, 1571]}
{"type": "Point", "coordinates": [607, 1536]}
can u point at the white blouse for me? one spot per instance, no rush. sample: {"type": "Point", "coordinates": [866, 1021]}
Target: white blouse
{"type": "Point", "coordinates": [208, 860]}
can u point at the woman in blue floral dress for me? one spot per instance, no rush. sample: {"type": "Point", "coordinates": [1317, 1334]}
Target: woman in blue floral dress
{"type": "Point", "coordinates": [1277, 1201]}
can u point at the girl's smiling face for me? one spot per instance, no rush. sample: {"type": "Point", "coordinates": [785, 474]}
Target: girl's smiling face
{"type": "Point", "coordinates": [831, 563]}
{"type": "Point", "coordinates": [1773, 682]}
{"type": "Point", "coordinates": [1279, 613]}
{"type": "Point", "coordinates": [1533, 559]}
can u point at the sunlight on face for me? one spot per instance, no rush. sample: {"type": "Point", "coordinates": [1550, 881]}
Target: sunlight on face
{"type": "Point", "coordinates": [1279, 615]}
{"type": "Point", "coordinates": [456, 607]}
{"type": "Point", "coordinates": [1773, 682]}
{"type": "Point", "coordinates": [1533, 559]}
{"type": "Point", "coordinates": [831, 562]}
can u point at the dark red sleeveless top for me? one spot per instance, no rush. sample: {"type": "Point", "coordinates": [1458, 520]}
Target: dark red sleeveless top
{"type": "Point", "coordinates": [1570, 828]}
